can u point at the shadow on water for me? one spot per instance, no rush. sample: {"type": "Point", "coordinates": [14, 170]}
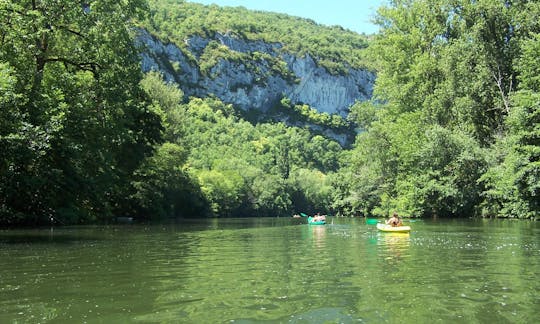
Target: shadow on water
{"type": "Point", "coordinates": [47, 236]}
{"type": "Point", "coordinates": [204, 224]}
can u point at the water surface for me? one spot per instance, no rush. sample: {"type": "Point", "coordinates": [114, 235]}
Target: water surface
{"type": "Point", "coordinates": [272, 270]}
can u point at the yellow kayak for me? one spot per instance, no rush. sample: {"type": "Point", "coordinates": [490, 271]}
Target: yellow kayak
{"type": "Point", "coordinates": [394, 229]}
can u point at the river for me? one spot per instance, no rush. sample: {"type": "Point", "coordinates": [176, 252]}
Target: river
{"type": "Point", "coordinates": [272, 270]}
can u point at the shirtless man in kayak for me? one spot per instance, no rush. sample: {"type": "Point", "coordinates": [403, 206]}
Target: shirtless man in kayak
{"type": "Point", "coordinates": [394, 221]}
{"type": "Point", "coordinates": [319, 217]}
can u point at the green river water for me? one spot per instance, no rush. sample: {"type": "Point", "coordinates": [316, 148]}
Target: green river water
{"type": "Point", "coordinates": [273, 270]}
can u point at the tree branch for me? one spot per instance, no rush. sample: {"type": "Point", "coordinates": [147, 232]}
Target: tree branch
{"type": "Point", "coordinates": [499, 81]}
{"type": "Point", "coordinates": [71, 31]}
{"type": "Point", "coordinates": [85, 66]}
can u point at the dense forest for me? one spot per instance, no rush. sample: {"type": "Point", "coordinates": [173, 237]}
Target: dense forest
{"type": "Point", "coordinates": [452, 129]}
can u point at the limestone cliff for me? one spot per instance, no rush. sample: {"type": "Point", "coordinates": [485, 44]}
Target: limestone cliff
{"type": "Point", "coordinates": [257, 77]}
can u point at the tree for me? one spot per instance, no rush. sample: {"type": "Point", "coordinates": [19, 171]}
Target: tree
{"type": "Point", "coordinates": [271, 196]}
{"type": "Point", "coordinates": [450, 59]}
{"type": "Point", "coordinates": [313, 191]}
{"type": "Point", "coordinates": [523, 123]}
{"type": "Point", "coordinates": [445, 98]}
{"type": "Point", "coordinates": [164, 188]}
{"type": "Point", "coordinates": [222, 189]}
{"type": "Point", "coordinates": [78, 105]}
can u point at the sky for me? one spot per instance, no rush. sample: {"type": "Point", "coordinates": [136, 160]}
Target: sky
{"type": "Point", "coordinates": [351, 14]}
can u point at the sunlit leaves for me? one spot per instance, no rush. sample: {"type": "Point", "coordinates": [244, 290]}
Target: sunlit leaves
{"type": "Point", "coordinates": [436, 135]}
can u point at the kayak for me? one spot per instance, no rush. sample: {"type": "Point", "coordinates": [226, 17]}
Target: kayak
{"type": "Point", "coordinates": [312, 222]}
{"type": "Point", "coordinates": [394, 229]}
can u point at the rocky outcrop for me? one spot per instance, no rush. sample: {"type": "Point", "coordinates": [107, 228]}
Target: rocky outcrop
{"type": "Point", "coordinates": [254, 84]}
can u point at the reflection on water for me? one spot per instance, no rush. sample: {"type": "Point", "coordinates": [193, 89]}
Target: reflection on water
{"type": "Point", "coordinates": [319, 233]}
{"type": "Point", "coordinates": [395, 241]}
{"type": "Point", "coordinates": [395, 245]}
{"type": "Point", "coordinates": [272, 270]}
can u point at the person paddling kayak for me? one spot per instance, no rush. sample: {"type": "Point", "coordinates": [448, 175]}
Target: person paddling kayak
{"type": "Point", "coordinates": [394, 221]}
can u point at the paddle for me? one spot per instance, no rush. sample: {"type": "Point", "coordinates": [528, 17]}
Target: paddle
{"type": "Point", "coordinates": [303, 215]}
{"type": "Point", "coordinates": [371, 221]}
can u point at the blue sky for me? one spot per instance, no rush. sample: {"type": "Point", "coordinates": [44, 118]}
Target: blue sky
{"type": "Point", "coordinates": [351, 14]}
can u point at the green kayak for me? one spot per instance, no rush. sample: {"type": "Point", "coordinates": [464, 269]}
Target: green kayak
{"type": "Point", "coordinates": [311, 221]}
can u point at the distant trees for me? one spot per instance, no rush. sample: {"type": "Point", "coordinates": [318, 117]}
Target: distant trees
{"type": "Point", "coordinates": [251, 170]}
{"type": "Point", "coordinates": [214, 163]}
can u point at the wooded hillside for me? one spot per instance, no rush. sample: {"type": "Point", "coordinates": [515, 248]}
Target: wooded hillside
{"type": "Point", "coordinates": [332, 47]}
{"type": "Point", "coordinates": [86, 137]}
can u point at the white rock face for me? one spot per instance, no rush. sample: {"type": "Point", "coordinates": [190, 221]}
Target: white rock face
{"type": "Point", "coordinates": [327, 92]}
{"type": "Point", "coordinates": [256, 85]}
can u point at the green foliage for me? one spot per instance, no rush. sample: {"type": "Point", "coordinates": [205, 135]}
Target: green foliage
{"type": "Point", "coordinates": [523, 122]}
{"type": "Point", "coordinates": [514, 181]}
{"type": "Point", "coordinates": [222, 189]}
{"type": "Point", "coordinates": [528, 63]}
{"type": "Point", "coordinates": [313, 190]}
{"type": "Point", "coordinates": [304, 114]}
{"type": "Point", "coordinates": [265, 156]}
{"type": "Point", "coordinates": [75, 124]}
{"type": "Point", "coordinates": [416, 170]}
{"type": "Point", "coordinates": [447, 133]}
{"type": "Point", "coordinates": [364, 113]}
{"type": "Point", "coordinates": [271, 196]}
{"type": "Point", "coordinates": [513, 178]}
{"type": "Point", "coordinates": [215, 159]}
{"type": "Point", "coordinates": [452, 60]}
{"type": "Point", "coordinates": [163, 187]}
{"type": "Point", "coordinates": [214, 52]}
{"type": "Point", "coordinates": [166, 99]}
{"type": "Point", "coordinates": [452, 129]}
{"type": "Point", "coordinates": [334, 48]}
